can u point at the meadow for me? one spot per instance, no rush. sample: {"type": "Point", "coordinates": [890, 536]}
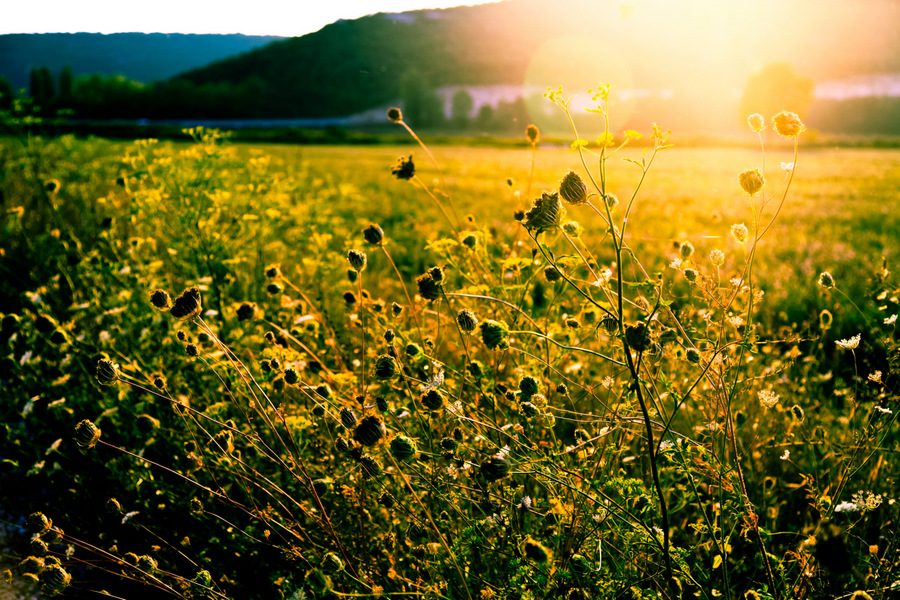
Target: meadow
{"type": "Point", "coordinates": [263, 371]}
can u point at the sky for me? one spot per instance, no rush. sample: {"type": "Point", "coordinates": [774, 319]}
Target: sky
{"type": "Point", "coordinates": [255, 17]}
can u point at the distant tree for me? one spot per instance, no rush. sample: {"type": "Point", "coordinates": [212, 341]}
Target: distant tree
{"type": "Point", "coordinates": [41, 86]}
{"type": "Point", "coordinates": [7, 93]}
{"type": "Point", "coordinates": [422, 107]}
{"type": "Point", "coordinates": [775, 88]}
{"type": "Point", "coordinates": [66, 80]}
{"type": "Point", "coordinates": [460, 108]}
{"type": "Point", "coordinates": [485, 119]}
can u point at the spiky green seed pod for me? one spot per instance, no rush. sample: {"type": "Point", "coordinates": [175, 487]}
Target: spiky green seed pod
{"type": "Point", "coordinates": [147, 563]}
{"type": "Point", "coordinates": [433, 400]}
{"type": "Point", "coordinates": [357, 259]}
{"type": "Point", "coordinates": [429, 289]}
{"type": "Point", "coordinates": [403, 448]}
{"type": "Point", "coordinates": [573, 189]}
{"type": "Point", "coordinates": [476, 369]}
{"type": "Point", "coordinates": [348, 417]}
{"type": "Point", "coordinates": [187, 306]}
{"type": "Point", "coordinates": [369, 431]}
{"type": "Point", "coordinates": [275, 288]}
{"type": "Point", "coordinates": [86, 434]}
{"type": "Point", "coordinates": [385, 367]}
{"type": "Point", "coordinates": [371, 466]}
{"type": "Point", "coordinates": [667, 334]}
{"type": "Point", "coordinates": [374, 234]}
{"type": "Point", "coordinates": [196, 506]}
{"type": "Point", "coordinates": [466, 320]}
{"type": "Point", "coordinates": [494, 334]}
{"type": "Point", "coordinates": [580, 565]}
{"type": "Point", "coordinates": [494, 468]}
{"type": "Point", "coordinates": [107, 372]}
{"type": "Point", "coordinates": [324, 391]}
{"type": "Point", "coordinates": [611, 201]}
{"type": "Point", "coordinates": [159, 381]}
{"type": "Point", "coordinates": [161, 299]}
{"type": "Point", "coordinates": [788, 124]}
{"type": "Point", "coordinates": [797, 413]}
{"type": "Point", "coordinates": [470, 240]}
{"type": "Point", "coordinates": [638, 336]}
{"type": "Point", "coordinates": [546, 213]}
{"type": "Point", "coordinates": [318, 410]}
{"type": "Point", "coordinates": [273, 271]}
{"type": "Point", "coordinates": [54, 580]}
{"type": "Point", "coordinates": [573, 229]}
{"type": "Point", "coordinates": [562, 389]}
{"type": "Point", "coordinates": [572, 323]}
{"type": "Point", "coordinates": [38, 523]}
{"type": "Point", "coordinates": [693, 356]}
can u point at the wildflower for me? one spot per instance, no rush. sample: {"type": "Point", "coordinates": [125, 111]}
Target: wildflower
{"type": "Point", "coordinates": [494, 334]}
{"type": "Point", "coordinates": [466, 320]}
{"type": "Point", "coordinates": [161, 299]}
{"type": "Point", "coordinates": [86, 434]}
{"type": "Point", "coordinates": [611, 201]}
{"type": "Point", "coordinates": [876, 376]}
{"type": "Point", "coordinates": [357, 259]}
{"type": "Point", "coordinates": [403, 448]}
{"type": "Point", "coordinates": [533, 133]}
{"type": "Point", "coordinates": [573, 189]}
{"type": "Point", "coordinates": [547, 212]}
{"type": "Point", "coordinates": [890, 320]}
{"type": "Point", "coordinates": [607, 382]}
{"type": "Point", "coordinates": [788, 124]}
{"type": "Point", "coordinates": [752, 181]}
{"type": "Point", "coordinates": [691, 275]}
{"type": "Point", "coordinates": [756, 122]}
{"type": "Point", "coordinates": [107, 372]}
{"type": "Point", "coordinates": [429, 288]}
{"type": "Point", "coordinates": [851, 343]}
{"type": "Point", "coordinates": [373, 234]}
{"type": "Point", "coordinates": [826, 280]}
{"type": "Point", "coordinates": [686, 250]}
{"type": "Point", "coordinates": [187, 305]}
{"type": "Point", "coordinates": [248, 311]}
{"type": "Point", "coordinates": [369, 431]}
{"type": "Point", "coordinates": [787, 166]}
{"type": "Point", "coordinates": [740, 232]}
{"type": "Point", "coordinates": [717, 257]}
{"type": "Point", "coordinates": [404, 168]}
{"type": "Point", "coordinates": [866, 500]}
{"type": "Point", "coordinates": [394, 114]}
{"type": "Point", "coordinates": [768, 398]}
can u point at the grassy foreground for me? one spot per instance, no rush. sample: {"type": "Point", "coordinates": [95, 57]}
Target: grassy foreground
{"type": "Point", "coordinates": [461, 401]}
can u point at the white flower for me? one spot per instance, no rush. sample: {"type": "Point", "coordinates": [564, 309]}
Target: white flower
{"type": "Point", "coordinates": [876, 376]}
{"type": "Point", "coordinates": [846, 506]}
{"type": "Point", "coordinates": [526, 502]}
{"type": "Point", "coordinates": [787, 166]}
{"type": "Point", "coordinates": [607, 382]}
{"type": "Point", "coordinates": [736, 321]}
{"type": "Point", "coordinates": [768, 398]}
{"type": "Point", "coordinates": [884, 411]}
{"type": "Point", "coordinates": [786, 455]}
{"type": "Point", "coordinates": [850, 344]}
{"type": "Point", "coordinates": [890, 320]}
{"type": "Point", "coordinates": [675, 264]}
{"type": "Point", "coordinates": [866, 500]}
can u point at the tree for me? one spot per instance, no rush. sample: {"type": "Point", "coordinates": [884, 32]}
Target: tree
{"type": "Point", "coordinates": [460, 108]}
{"type": "Point", "coordinates": [41, 86]}
{"type": "Point", "coordinates": [66, 79]}
{"type": "Point", "coordinates": [775, 88]}
{"type": "Point", "coordinates": [7, 94]}
{"type": "Point", "coordinates": [422, 107]}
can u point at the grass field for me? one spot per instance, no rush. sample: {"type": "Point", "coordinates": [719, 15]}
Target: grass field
{"type": "Point", "coordinates": [483, 405]}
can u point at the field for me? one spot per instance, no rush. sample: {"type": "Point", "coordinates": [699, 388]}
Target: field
{"type": "Point", "coordinates": [221, 379]}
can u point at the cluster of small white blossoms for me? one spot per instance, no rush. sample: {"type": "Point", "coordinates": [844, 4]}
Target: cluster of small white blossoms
{"type": "Point", "coordinates": [849, 344]}
{"type": "Point", "coordinates": [768, 398]}
{"type": "Point", "coordinates": [860, 501]}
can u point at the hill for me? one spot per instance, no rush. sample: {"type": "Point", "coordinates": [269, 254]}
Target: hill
{"type": "Point", "coordinates": [138, 56]}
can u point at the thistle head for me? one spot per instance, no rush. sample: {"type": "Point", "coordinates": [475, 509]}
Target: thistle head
{"type": "Point", "coordinates": [547, 212]}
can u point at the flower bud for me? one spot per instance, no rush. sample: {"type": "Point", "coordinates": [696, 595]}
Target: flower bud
{"type": "Point", "coordinates": [717, 257]}
{"type": "Point", "coordinates": [533, 133]}
{"type": "Point", "coordinates": [752, 181]}
{"type": "Point", "coordinates": [374, 234]}
{"type": "Point", "coordinates": [466, 320]}
{"type": "Point", "coordinates": [357, 259]}
{"type": "Point", "coordinates": [107, 372]}
{"type": "Point", "coordinates": [394, 114]}
{"type": "Point", "coordinates": [756, 122]}
{"type": "Point", "coordinates": [788, 124]}
{"type": "Point", "coordinates": [86, 434]}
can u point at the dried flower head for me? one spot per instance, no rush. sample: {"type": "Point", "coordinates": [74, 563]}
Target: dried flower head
{"type": "Point", "coordinates": [86, 434]}
{"type": "Point", "coordinates": [429, 288]}
{"type": "Point", "coordinates": [404, 168]}
{"type": "Point", "coordinates": [385, 367]}
{"type": "Point", "coordinates": [756, 122]}
{"type": "Point", "coordinates": [826, 280]}
{"type": "Point", "coordinates": [187, 305]}
{"type": "Point", "coordinates": [403, 448]}
{"type": "Point", "coordinates": [467, 320]}
{"type": "Point", "coordinates": [394, 114]}
{"type": "Point", "coordinates": [788, 124]}
{"type": "Point", "coordinates": [248, 311]}
{"type": "Point", "coordinates": [494, 468]}
{"type": "Point", "coordinates": [752, 181]}
{"type": "Point", "coordinates": [374, 234]}
{"type": "Point", "coordinates": [686, 250]}
{"type": "Point", "coordinates": [717, 257]}
{"type": "Point", "coordinates": [547, 212]}
{"type": "Point", "coordinates": [38, 523]}
{"type": "Point", "coordinates": [273, 271]}
{"type": "Point", "coordinates": [107, 372]}
{"type": "Point", "coordinates": [740, 232]}
{"type": "Point", "coordinates": [357, 259]}
{"type": "Point", "coordinates": [552, 274]}
{"type": "Point", "coordinates": [54, 580]}
{"type": "Point", "coordinates": [348, 417]}
{"type": "Point", "coordinates": [533, 133]}
{"type": "Point", "coordinates": [370, 431]}
{"type": "Point", "coordinates": [161, 299]}
{"type": "Point", "coordinates": [494, 334]}
{"type": "Point", "coordinates": [573, 188]}
{"type": "Point", "coordinates": [611, 201]}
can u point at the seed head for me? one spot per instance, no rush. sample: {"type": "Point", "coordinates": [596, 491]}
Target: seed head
{"type": "Point", "coordinates": [248, 311]}
{"type": "Point", "coordinates": [403, 448]}
{"type": "Point", "coordinates": [404, 168]}
{"type": "Point", "coordinates": [573, 229]}
{"type": "Point", "coordinates": [691, 275]}
{"type": "Point", "coordinates": [536, 551]}
{"type": "Point", "coordinates": [86, 434]}
{"type": "Point", "coordinates": [433, 400]}
{"type": "Point", "coordinates": [273, 271]}
{"type": "Point", "coordinates": [332, 564]}
{"type": "Point", "coordinates": [192, 350]}
{"type": "Point", "coordinates": [371, 466]}
{"type": "Point", "coordinates": [573, 188]}
{"type": "Point", "coordinates": [161, 300]}
{"type": "Point", "coordinates": [374, 234]}
{"type": "Point", "coordinates": [686, 250]}
{"type": "Point", "coordinates": [107, 372]}
{"type": "Point", "coordinates": [357, 259]}
{"type": "Point", "coordinates": [752, 181]}
{"type": "Point", "coordinates": [826, 280]}
{"type": "Point", "coordinates": [467, 320]}
{"type": "Point", "coordinates": [54, 580]}
{"type": "Point", "coordinates": [348, 418]}
{"type": "Point", "coordinates": [494, 468]}
{"type": "Point", "coordinates": [291, 376]}
{"type": "Point", "coordinates": [187, 305]}
{"type": "Point", "coordinates": [756, 122]}
{"type": "Point", "coordinates": [693, 356]}
{"type": "Point", "coordinates": [494, 334]}
{"type": "Point", "coordinates": [38, 523]}
{"type": "Point", "coordinates": [638, 336]}
{"type": "Point", "coordinates": [788, 124]}
{"type": "Point", "coordinates": [385, 367]}
{"type": "Point", "coordinates": [547, 212]}
{"type": "Point", "coordinates": [369, 431]}
{"type": "Point", "coordinates": [394, 114]}
{"type": "Point", "coordinates": [429, 288]}
{"type": "Point", "coordinates": [533, 133]}
{"type": "Point", "coordinates": [147, 563]}
{"type": "Point", "coordinates": [717, 257]}
{"type": "Point", "coordinates": [740, 232]}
